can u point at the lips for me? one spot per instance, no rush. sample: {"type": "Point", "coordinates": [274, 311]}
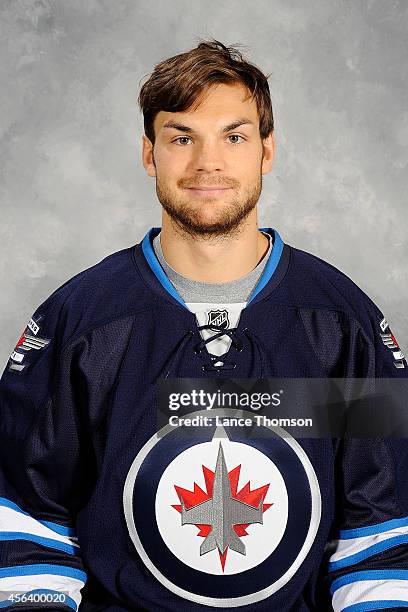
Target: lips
{"type": "Point", "coordinates": [208, 191]}
{"type": "Point", "coordinates": [207, 187]}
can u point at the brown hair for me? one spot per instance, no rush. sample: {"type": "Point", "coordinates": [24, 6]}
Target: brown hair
{"type": "Point", "coordinates": [179, 82]}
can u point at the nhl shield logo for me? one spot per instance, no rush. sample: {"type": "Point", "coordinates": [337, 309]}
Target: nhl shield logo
{"type": "Point", "coordinates": [218, 508]}
{"type": "Point", "coordinates": [218, 318]}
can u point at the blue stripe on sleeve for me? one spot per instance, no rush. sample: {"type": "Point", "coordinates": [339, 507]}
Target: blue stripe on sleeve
{"type": "Point", "coordinates": [383, 604]}
{"type": "Point", "coordinates": [60, 529]}
{"type": "Point", "coordinates": [383, 574]}
{"type": "Point", "coordinates": [41, 569]}
{"type": "Point", "coordinates": [48, 542]}
{"type": "Point", "coordinates": [368, 552]}
{"type": "Point", "coordinates": [347, 534]}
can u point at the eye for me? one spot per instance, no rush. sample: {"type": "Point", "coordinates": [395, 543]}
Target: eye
{"type": "Point", "coordinates": [181, 138]}
{"type": "Point", "coordinates": [236, 136]}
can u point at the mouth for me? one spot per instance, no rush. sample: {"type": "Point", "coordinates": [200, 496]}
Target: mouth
{"type": "Point", "coordinates": [208, 191]}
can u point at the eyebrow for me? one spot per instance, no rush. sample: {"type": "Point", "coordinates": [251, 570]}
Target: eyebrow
{"type": "Point", "coordinates": [188, 130]}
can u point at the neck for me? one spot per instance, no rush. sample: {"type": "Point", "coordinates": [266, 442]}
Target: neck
{"type": "Point", "coordinates": [219, 260]}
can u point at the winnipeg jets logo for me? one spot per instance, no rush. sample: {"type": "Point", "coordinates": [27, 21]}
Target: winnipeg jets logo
{"type": "Point", "coordinates": [222, 514]}
{"type": "Point", "coordinates": [390, 341]}
{"type": "Point", "coordinates": [218, 318]}
{"type": "Point", "coordinates": [25, 343]}
{"type": "Point", "coordinates": [226, 520]}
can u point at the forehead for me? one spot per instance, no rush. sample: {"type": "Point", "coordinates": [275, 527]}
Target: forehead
{"type": "Point", "coordinates": [217, 105]}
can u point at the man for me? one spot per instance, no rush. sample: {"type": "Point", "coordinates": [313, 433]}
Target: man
{"type": "Point", "coordinates": [92, 495]}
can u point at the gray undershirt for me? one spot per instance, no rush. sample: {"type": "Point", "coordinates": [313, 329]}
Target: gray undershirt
{"type": "Point", "coordinates": [190, 290]}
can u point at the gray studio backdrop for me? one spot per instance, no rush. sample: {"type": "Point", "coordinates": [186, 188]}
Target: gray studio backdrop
{"type": "Point", "coordinates": [73, 188]}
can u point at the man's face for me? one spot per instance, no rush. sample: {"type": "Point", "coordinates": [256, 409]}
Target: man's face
{"type": "Point", "coordinates": [208, 171]}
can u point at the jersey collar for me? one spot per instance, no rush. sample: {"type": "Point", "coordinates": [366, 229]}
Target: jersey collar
{"type": "Point", "coordinates": [149, 266]}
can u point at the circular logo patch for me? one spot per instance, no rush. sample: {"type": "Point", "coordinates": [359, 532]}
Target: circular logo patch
{"type": "Point", "coordinates": [218, 516]}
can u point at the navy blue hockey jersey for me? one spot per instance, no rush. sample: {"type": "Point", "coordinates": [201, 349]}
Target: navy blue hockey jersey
{"type": "Point", "coordinates": [99, 512]}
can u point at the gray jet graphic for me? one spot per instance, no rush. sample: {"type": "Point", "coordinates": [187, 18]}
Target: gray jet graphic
{"type": "Point", "coordinates": [222, 512]}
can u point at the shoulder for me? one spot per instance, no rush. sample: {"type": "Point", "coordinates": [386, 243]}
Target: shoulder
{"type": "Point", "coordinates": [103, 292]}
{"type": "Point", "coordinates": [317, 284]}
{"type": "Point", "coordinates": [327, 298]}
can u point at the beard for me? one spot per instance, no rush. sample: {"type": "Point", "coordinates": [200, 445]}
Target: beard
{"type": "Point", "coordinates": [208, 218]}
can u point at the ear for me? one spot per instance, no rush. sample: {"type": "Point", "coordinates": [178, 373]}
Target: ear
{"type": "Point", "coordinates": [148, 156]}
{"type": "Point", "coordinates": [268, 145]}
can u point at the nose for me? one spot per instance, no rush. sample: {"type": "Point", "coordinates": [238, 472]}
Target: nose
{"type": "Point", "coordinates": [208, 157]}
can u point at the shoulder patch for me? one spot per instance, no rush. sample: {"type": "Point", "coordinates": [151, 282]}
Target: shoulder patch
{"type": "Point", "coordinates": [28, 341]}
{"type": "Point", "coordinates": [390, 341]}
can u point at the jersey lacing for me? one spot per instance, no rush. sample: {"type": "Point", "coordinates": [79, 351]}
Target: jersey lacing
{"type": "Point", "coordinates": [199, 348]}
{"type": "Point", "coordinates": [236, 343]}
